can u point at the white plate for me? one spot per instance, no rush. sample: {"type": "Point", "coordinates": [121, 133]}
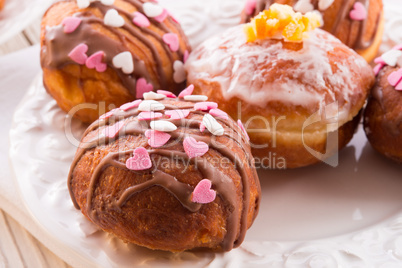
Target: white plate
{"type": "Point", "coordinates": [318, 216]}
{"type": "Point", "coordinates": [18, 14]}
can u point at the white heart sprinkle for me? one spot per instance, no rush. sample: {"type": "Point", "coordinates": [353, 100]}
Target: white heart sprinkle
{"type": "Point", "coordinates": [162, 125]}
{"type": "Point", "coordinates": [324, 4]}
{"type": "Point", "coordinates": [124, 61]}
{"type": "Point", "coordinates": [152, 10]}
{"type": "Point", "coordinates": [153, 96]}
{"type": "Point", "coordinates": [107, 2]}
{"type": "Point", "coordinates": [179, 74]}
{"type": "Point", "coordinates": [112, 18]}
{"type": "Point", "coordinates": [150, 105]}
{"type": "Point", "coordinates": [391, 57]}
{"type": "Point", "coordinates": [303, 6]}
{"type": "Point", "coordinates": [196, 98]}
{"type": "Point", "coordinates": [212, 125]}
{"type": "Point", "coordinates": [83, 3]}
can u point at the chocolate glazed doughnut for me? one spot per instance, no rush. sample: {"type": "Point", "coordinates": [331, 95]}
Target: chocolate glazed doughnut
{"type": "Point", "coordinates": [364, 35]}
{"type": "Point", "coordinates": [155, 206]}
{"type": "Point", "coordinates": [155, 47]}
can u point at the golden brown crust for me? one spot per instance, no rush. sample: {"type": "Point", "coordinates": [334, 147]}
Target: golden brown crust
{"type": "Point", "coordinates": [2, 4]}
{"type": "Point", "coordinates": [383, 117]}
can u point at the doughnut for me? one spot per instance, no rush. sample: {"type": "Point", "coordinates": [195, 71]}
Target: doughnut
{"type": "Point", "coordinates": [167, 173]}
{"type": "Point", "coordinates": [383, 113]}
{"type": "Point", "coordinates": [2, 4]}
{"type": "Point", "coordinates": [357, 23]}
{"type": "Point", "coordinates": [300, 101]}
{"type": "Point", "coordinates": [98, 55]}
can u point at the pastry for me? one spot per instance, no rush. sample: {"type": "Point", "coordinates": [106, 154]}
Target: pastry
{"type": "Point", "coordinates": [383, 113]}
{"type": "Point", "coordinates": [152, 173]}
{"type": "Point", "coordinates": [101, 54]}
{"type": "Point", "coordinates": [357, 23]}
{"type": "Point", "coordinates": [2, 4]}
{"type": "Point", "coordinates": [298, 92]}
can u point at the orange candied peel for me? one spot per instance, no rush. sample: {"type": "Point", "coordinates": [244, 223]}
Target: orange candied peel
{"type": "Point", "coordinates": [281, 21]}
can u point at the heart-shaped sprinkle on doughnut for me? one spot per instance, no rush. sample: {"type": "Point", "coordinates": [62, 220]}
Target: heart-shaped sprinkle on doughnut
{"type": "Point", "coordinates": [112, 18]}
{"type": "Point", "coordinates": [70, 24]}
{"type": "Point", "coordinates": [194, 148]}
{"type": "Point", "coordinates": [187, 91]}
{"type": "Point", "coordinates": [162, 16]}
{"type": "Point", "coordinates": [83, 3]}
{"type": "Point", "coordinates": [140, 160]}
{"type": "Point", "coordinates": [149, 116]}
{"type": "Point", "coordinates": [150, 105]}
{"type": "Point", "coordinates": [399, 86]}
{"type": "Point", "coordinates": [379, 60]}
{"type": "Point", "coordinates": [124, 61]}
{"type": "Point", "coordinates": [78, 54]}
{"type": "Point", "coordinates": [205, 106]}
{"type": "Point", "coordinates": [108, 114]}
{"type": "Point", "coordinates": [179, 74]}
{"type": "Point", "coordinates": [243, 129]}
{"type": "Point", "coordinates": [162, 125]}
{"type": "Point", "coordinates": [157, 138]}
{"type": "Point", "coordinates": [195, 98]}
{"type": "Point", "coordinates": [166, 93]}
{"type": "Point", "coordinates": [172, 40]}
{"type": "Point", "coordinates": [153, 96]}
{"type": "Point", "coordinates": [130, 105]}
{"type": "Point", "coordinates": [142, 87]}
{"type": "Point", "coordinates": [250, 7]}
{"type": "Point", "coordinates": [152, 10]}
{"type": "Point", "coordinates": [395, 77]}
{"type": "Point", "coordinates": [212, 125]}
{"type": "Point", "coordinates": [303, 6]}
{"type": "Point", "coordinates": [378, 68]}
{"type": "Point", "coordinates": [397, 47]}
{"type": "Point", "coordinates": [202, 127]}
{"type": "Point", "coordinates": [107, 2]}
{"type": "Point", "coordinates": [140, 20]}
{"type": "Point", "coordinates": [324, 4]}
{"type": "Point", "coordinates": [177, 114]}
{"type": "Point", "coordinates": [95, 62]}
{"type": "Point", "coordinates": [391, 57]}
{"type": "Point", "coordinates": [219, 113]}
{"type": "Point", "coordinates": [112, 131]}
{"type": "Point", "coordinates": [185, 56]}
{"type": "Point", "coordinates": [203, 193]}
{"type": "Point", "coordinates": [358, 12]}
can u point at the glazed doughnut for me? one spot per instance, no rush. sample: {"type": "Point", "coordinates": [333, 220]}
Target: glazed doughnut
{"type": "Point", "coordinates": [101, 56]}
{"type": "Point", "coordinates": [2, 4]}
{"type": "Point", "coordinates": [359, 27]}
{"type": "Point", "coordinates": [383, 113]}
{"type": "Point", "coordinates": [144, 171]}
{"type": "Point", "coordinates": [293, 97]}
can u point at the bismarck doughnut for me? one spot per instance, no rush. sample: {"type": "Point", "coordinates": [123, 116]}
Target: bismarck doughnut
{"type": "Point", "coordinates": [167, 173]}
{"type": "Point", "coordinates": [298, 95]}
{"type": "Point", "coordinates": [383, 113]}
{"type": "Point", "coordinates": [357, 23]}
{"type": "Point", "coordinates": [100, 55]}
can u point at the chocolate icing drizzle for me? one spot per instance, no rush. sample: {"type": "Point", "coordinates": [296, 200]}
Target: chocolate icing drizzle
{"type": "Point", "coordinates": [357, 42]}
{"type": "Point", "coordinates": [223, 184]}
{"type": "Point", "coordinates": [57, 44]}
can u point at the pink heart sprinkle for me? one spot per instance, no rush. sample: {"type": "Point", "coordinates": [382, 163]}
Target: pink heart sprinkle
{"type": "Point", "coordinates": [70, 24]}
{"type": "Point", "coordinates": [172, 40]}
{"type": "Point", "coordinates": [78, 54]}
{"type": "Point", "coordinates": [130, 105]}
{"type": "Point", "coordinates": [250, 7]}
{"type": "Point", "coordinates": [378, 68]}
{"type": "Point", "coordinates": [194, 148]}
{"type": "Point", "coordinates": [205, 106]}
{"type": "Point", "coordinates": [141, 20]}
{"type": "Point", "coordinates": [395, 77]}
{"type": "Point", "coordinates": [243, 129]}
{"type": "Point", "coordinates": [399, 86]}
{"type": "Point", "coordinates": [219, 113]}
{"type": "Point", "coordinates": [143, 87]}
{"type": "Point", "coordinates": [166, 93]}
{"type": "Point", "coordinates": [157, 138]}
{"type": "Point", "coordinates": [108, 114]}
{"type": "Point", "coordinates": [379, 60]}
{"type": "Point", "coordinates": [185, 56]}
{"type": "Point", "coordinates": [203, 193]}
{"type": "Point", "coordinates": [177, 114]}
{"type": "Point", "coordinates": [149, 116]}
{"type": "Point", "coordinates": [397, 47]}
{"type": "Point", "coordinates": [162, 16]}
{"type": "Point", "coordinates": [358, 12]}
{"type": "Point", "coordinates": [187, 91]}
{"type": "Point", "coordinates": [95, 62]}
{"type": "Point", "coordinates": [140, 160]}
{"type": "Point", "coordinates": [112, 131]}
{"type": "Point", "coordinates": [202, 127]}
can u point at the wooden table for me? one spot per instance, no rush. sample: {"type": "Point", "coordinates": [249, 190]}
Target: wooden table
{"type": "Point", "coordinates": [18, 248]}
